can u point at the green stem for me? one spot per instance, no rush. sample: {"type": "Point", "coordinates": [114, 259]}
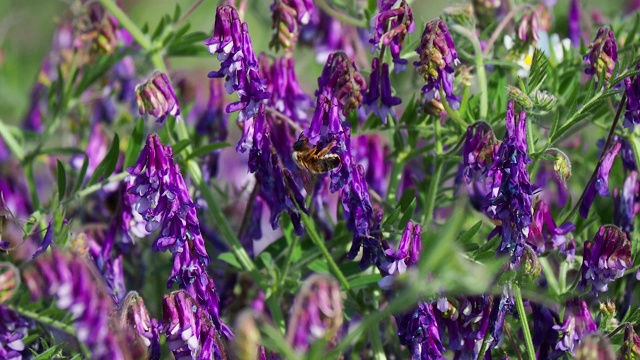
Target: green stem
{"type": "Point", "coordinates": [136, 33]}
{"type": "Point", "coordinates": [376, 343]}
{"type": "Point", "coordinates": [323, 249]}
{"type": "Point", "coordinates": [340, 16]}
{"type": "Point", "coordinates": [482, 77]}
{"type": "Point", "coordinates": [485, 345]}
{"type": "Point", "coordinates": [452, 113]}
{"type": "Point", "coordinates": [523, 320]}
{"type": "Point", "coordinates": [549, 275]}
{"type": "Point", "coordinates": [31, 182]}
{"type": "Point", "coordinates": [95, 187]}
{"type": "Point", "coordinates": [394, 180]}
{"type": "Point", "coordinates": [11, 141]}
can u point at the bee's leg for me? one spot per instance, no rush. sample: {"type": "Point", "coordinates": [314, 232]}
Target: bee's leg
{"type": "Point", "coordinates": [325, 151]}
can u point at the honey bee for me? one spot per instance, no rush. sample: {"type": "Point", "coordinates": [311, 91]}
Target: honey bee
{"type": "Point", "coordinates": [313, 159]}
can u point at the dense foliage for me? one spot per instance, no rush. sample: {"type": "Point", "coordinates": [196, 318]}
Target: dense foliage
{"type": "Point", "coordinates": [464, 187]}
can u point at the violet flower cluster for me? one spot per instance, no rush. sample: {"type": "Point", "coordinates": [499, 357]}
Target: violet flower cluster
{"type": "Point", "coordinates": [602, 56]}
{"type": "Point", "coordinates": [577, 323]}
{"type": "Point", "coordinates": [13, 330]}
{"type": "Point", "coordinates": [438, 56]}
{"type": "Point", "coordinates": [600, 184]}
{"type": "Point", "coordinates": [509, 200]}
{"type": "Point", "coordinates": [605, 258]}
{"type": "Point", "coordinates": [69, 282]}
{"type": "Point", "coordinates": [166, 206]}
{"type": "Point", "coordinates": [288, 16]}
{"type": "Point", "coordinates": [239, 66]}
{"type": "Point", "coordinates": [156, 97]}
{"type": "Point", "coordinates": [389, 28]}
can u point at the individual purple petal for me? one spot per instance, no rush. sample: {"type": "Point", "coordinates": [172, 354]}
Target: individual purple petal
{"type": "Point", "coordinates": [599, 185]}
{"type": "Point", "coordinates": [577, 323]}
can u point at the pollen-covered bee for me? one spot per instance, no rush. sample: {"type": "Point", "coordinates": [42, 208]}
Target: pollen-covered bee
{"type": "Point", "coordinates": [314, 159]}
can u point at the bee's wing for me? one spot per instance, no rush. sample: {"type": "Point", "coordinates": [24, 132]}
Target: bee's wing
{"type": "Point", "coordinates": [308, 181]}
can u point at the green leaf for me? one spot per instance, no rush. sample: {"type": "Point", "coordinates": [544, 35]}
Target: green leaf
{"type": "Point", "coordinates": [319, 265]}
{"type": "Point", "coordinates": [230, 259]}
{"type": "Point", "coordinates": [136, 141]}
{"type": "Point", "coordinates": [407, 198]}
{"type": "Point", "coordinates": [206, 149]}
{"type": "Point", "coordinates": [364, 281]}
{"type": "Point", "coordinates": [82, 173]}
{"type": "Point", "coordinates": [469, 234]}
{"type": "Point", "coordinates": [538, 72]}
{"type": "Point", "coordinates": [180, 145]}
{"type": "Point", "coordinates": [407, 215]}
{"type": "Point", "coordinates": [109, 162]}
{"type": "Point", "coordinates": [62, 151]}
{"type": "Point", "coordinates": [391, 219]}
{"type": "Point", "coordinates": [62, 181]}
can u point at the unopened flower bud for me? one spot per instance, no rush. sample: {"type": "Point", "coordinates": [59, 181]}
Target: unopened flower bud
{"type": "Point", "coordinates": [602, 55]}
{"type": "Point", "coordinates": [9, 281]}
{"type": "Point", "coordinates": [519, 96]}
{"type": "Point", "coordinates": [246, 342]}
{"type": "Point", "coordinates": [134, 315]}
{"type": "Point", "coordinates": [595, 347]}
{"type": "Point", "coordinates": [543, 101]}
{"type": "Point", "coordinates": [528, 28]}
{"type": "Point", "coordinates": [530, 266]}
{"type": "Point", "coordinates": [608, 308]}
{"type": "Point", "coordinates": [317, 312]}
{"type": "Point", "coordinates": [156, 97]}
{"type": "Point", "coordinates": [562, 166]}
{"type": "Point", "coordinates": [630, 349]}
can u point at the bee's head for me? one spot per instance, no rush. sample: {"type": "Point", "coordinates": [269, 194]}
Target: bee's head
{"type": "Point", "coordinates": [301, 144]}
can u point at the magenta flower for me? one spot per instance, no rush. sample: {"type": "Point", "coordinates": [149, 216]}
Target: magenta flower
{"type": "Point", "coordinates": [378, 97]}
{"type": "Point", "coordinates": [419, 331]}
{"type": "Point", "coordinates": [632, 110]}
{"type": "Point", "coordinates": [389, 27]}
{"type": "Point", "coordinates": [602, 55]}
{"type": "Point", "coordinates": [406, 256]}
{"type": "Point", "coordinates": [605, 258]}
{"type": "Point", "coordinates": [13, 330]}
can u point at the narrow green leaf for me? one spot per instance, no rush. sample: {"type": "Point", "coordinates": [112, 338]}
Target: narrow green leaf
{"type": "Point", "coordinates": [108, 164]}
{"type": "Point", "coordinates": [407, 198]}
{"type": "Point", "coordinates": [230, 259]}
{"type": "Point", "coordinates": [469, 234]}
{"type": "Point", "coordinates": [206, 149]}
{"type": "Point", "coordinates": [391, 219]}
{"type": "Point", "coordinates": [180, 145]}
{"type": "Point", "coordinates": [82, 173]}
{"type": "Point", "coordinates": [62, 181]}
{"type": "Point", "coordinates": [364, 281]}
{"type": "Point", "coordinates": [62, 151]}
{"type": "Point", "coordinates": [407, 215]}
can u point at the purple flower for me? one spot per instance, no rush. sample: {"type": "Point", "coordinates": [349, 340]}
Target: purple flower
{"type": "Point", "coordinates": [389, 27]}
{"type": "Point", "coordinates": [528, 28]}
{"type": "Point", "coordinates": [46, 242]}
{"type": "Point", "coordinates": [371, 151]}
{"type": "Point", "coordinates": [134, 314]}
{"type": "Point", "coordinates": [316, 313]}
{"type": "Point", "coordinates": [239, 66]}
{"type": "Point", "coordinates": [156, 97]}
{"type": "Point", "coordinates": [498, 314]}
{"type": "Point", "coordinates": [577, 323]}
{"type": "Point", "coordinates": [406, 256]}
{"type": "Point", "coordinates": [575, 34]}
{"type": "Point", "coordinates": [627, 203]}
{"type": "Point", "coordinates": [544, 335]}
{"type": "Point", "coordinates": [479, 151]}
{"type": "Point", "coordinates": [605, 258]}
{"type": "Point", "coordinates": [378, 97]}
{"type": "Point", "coordinates": [438, 56]}
{"type": "Point", "coordinates": [547, 176]}
{"type": "Point", "coordinates": [509, 201]}
{"type": "Point", "coordinates": [69, 282]}
{"type": "Point", "coordinates": [190, 334]}
{"type": "Point", "coordinates": [419, 331]}
{"type": "Point", "coordinates": [632, 110]}
{"type": "Point", "coordinates": [212, 122]}
{"type": "Point", "coordinates": [599, 185]}
{"type": "Point", "coordinates": [544, 234]}
{"type": "Point", "coordinates": [165, 204]}
{"type": "Point", "coordinates": [602, 55]}
{"type": "Point", "coordinates": [328, 35]}
{"type": "Point", "coordinates": [13, 330]}
{"type": "Point", "coordinates": [358, 212]}
{"type": "Point", "coordinates": [467, 321]}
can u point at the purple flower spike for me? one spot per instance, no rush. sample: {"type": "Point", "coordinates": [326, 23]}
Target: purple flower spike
{"type": "Point", "coordinates": [70, 283]}
{"type": "Point", "coordinates": [602, 55]}
{"type": "Point", "coordinates": [479, 151]}
{"type": "Point", "coordinates": [156, 97]}
{"type": "Point", "coordinates": [189, 333]}
{"type": "Point", "coordinates": [509, 201]}
{"type": "Point", "coordinates": [378, 97]}
{"type": "Point", "coordinates": [438, 56]}
{"type": "Point", "coordinates": [605, 258]}
{"type": "Point", "coordinates": [575, 34]}
{"type": "Point", "coordinates": [577, 323]}
{"type": "Point", "coordinates": [13, 330]}
{"type": "Point", "coordinates": [317, 313]}
{"type": "Point", "coordinates": [600, 185]}
{"type": "Point", "coordinates": [419, 331]}
{"type": "Point", "coordinates": [239, 66]}
{"type": "Point", "coordinates": [632, 110]}
{"type": "Point", "coordinates": [165, 204]}
{"type": "Point", "coordinates": [389, 27]}
{"type": "Point", "coordinates": [287, 18]}
{"type": "Point", "coordinates": [544, 234]}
